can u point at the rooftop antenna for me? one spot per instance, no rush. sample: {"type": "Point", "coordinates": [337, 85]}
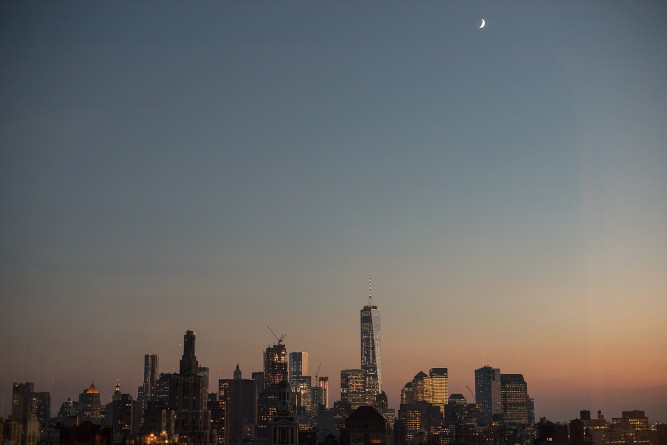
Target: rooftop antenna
{"type": "Point", "coordinates": [370, 290]}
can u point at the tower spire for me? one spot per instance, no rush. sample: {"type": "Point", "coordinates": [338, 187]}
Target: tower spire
{"type": "Point", "coordinates": [370, 290]}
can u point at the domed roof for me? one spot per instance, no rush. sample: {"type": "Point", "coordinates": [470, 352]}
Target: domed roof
{"type": "Point", "coordinates": [92, 389]}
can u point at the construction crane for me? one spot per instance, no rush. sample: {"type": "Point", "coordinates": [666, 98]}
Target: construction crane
{"type": "Point", "coordinates": [471, 393]}
{"type": "Point", "coordinates": [317, 374]}
{"type": "Point", "coordinates": [280, 339]}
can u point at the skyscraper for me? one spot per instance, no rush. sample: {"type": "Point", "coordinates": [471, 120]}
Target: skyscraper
{"type": "Point", "coordinates": [240, 400]}
{"type": "Point", "coordinates": [323, 382]}
{"type": "Point", "coordinates": [487, 393]}
{"type": "Point", "coordinates": [514, 396]}
{"type": "Point", "coordinates": [431, 388]}
{"type": "Point", "coordinates": [21, 396]}
{"type": "Point", "coordinates": [90, 406]}
{"type": "Point", "coordinates": [517, 408]}
{"type": "Point", "coordinates": [275, 364]}
{"type": "Point", "coordinates": [193, 421]}
{"type": "Point", "coordinates": [439, 387]}
{"type": "Point", "coordinates": [298, 367]}
{"type": "Point", "coordinates": [148, 389]}
{"type": "Point", "coordinates": [300, 381]}
{"type": "Point", "coordinates": [371, 363]}
{"type": "Point", "coordinates": [352, 387]}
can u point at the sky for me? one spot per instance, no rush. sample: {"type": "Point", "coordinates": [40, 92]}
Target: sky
{"type": "Point", "coordinates": [227, 166]}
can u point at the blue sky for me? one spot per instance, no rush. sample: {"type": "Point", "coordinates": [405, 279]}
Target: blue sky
{"type": "Point", "coordinates": [224, 166]}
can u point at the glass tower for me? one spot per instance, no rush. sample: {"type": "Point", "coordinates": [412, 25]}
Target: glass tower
{"type": "Point", "coordinates": [487, 393]}
{"type": "Point", "coordinates": [371, 363]}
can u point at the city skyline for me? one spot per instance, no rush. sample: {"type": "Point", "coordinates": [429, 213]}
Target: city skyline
{"type": "Point", "coordinates": [188, 362]}
{"type": "Point", "coordinates": [222, 167]}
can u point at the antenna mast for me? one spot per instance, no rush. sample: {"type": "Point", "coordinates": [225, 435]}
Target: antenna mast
{"type": "Point", "coordinates": [370, 290]}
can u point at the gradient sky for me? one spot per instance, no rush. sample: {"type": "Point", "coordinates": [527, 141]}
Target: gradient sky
{"type": "Point", "coordinates": [224, 166]}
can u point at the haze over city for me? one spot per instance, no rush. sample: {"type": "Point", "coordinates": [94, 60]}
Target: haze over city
{"type": "Point", "coordinates": [221, 167]}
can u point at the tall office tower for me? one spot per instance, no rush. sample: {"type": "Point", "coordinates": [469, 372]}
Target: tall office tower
{"type": "Point", "coordinates": [41, 408]}
{"type": "Point", "coordinates": [148, 389]}
{"type": "Point", "coordinates": [439, 387]}
{"type": "Point", "coordinates": [124, 414]}
{"type": "Point", "coordinates": [487, 393]}
{"type": "Point", "coordinates": [371, 362]}
{"type": "Point", "coordinates": [162, 390]}
{"type": "Point", "coordinates": [240, 399]}
{"type": "Point", "coordinates": [515, 400]}
{"type": "Point", "coordinates": [90, 406]}
{"type": "Point", "coordinates": [517, 410]}
{"type": "Point", "coordinates": [300, 381]}
{"type": "Point", "coordinates": [275, 364]}
{"type": "Point", "coordinates": [323, 382]}
{"type": "Point", "coordinates": [21, 400]}
{"type": "Point", "coordinates": [352, 387]}
{"type": "Point", "coordinates": [193, 421]}
{"type": "Point", "coordinates": [298, 367]}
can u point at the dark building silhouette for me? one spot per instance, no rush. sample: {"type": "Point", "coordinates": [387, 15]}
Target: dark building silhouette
{"type": "Point", "coordinates": [549, 433]}
{"type": "Point", "coordinates": [488, 393]}
{"type": "Point", "coordinates": [86, 433]}
{"type": "Point", "coordinates": [366, 425]}
{"type": "Point", "coordinates": [148, 390]}
{"type": "Point", "coordinates": [124, 414]}
{"type": "Point", "coordinates": [193, 421]}
{"type": "Point", "coordinates": [283, 428]}
{"type": "Point", "coordinates": [217, 409]}
{"type": "Point", "coordinates": [240, 400]}
{"type": "Point", "coordinates": [260, 381]}
{"type": "Point", "coordinates": [268, 403]}
{"type": "Point", "coordinates": [417, 418]}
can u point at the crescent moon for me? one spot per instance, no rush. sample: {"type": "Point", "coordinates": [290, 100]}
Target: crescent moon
{"type": "Point", "coordinates": [483, 24]}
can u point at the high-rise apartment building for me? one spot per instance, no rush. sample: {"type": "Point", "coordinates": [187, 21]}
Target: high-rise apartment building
{"type": "Point", "coordinates": [371, 359]}
{"type": "Point", "coordinates": [487, 393]}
